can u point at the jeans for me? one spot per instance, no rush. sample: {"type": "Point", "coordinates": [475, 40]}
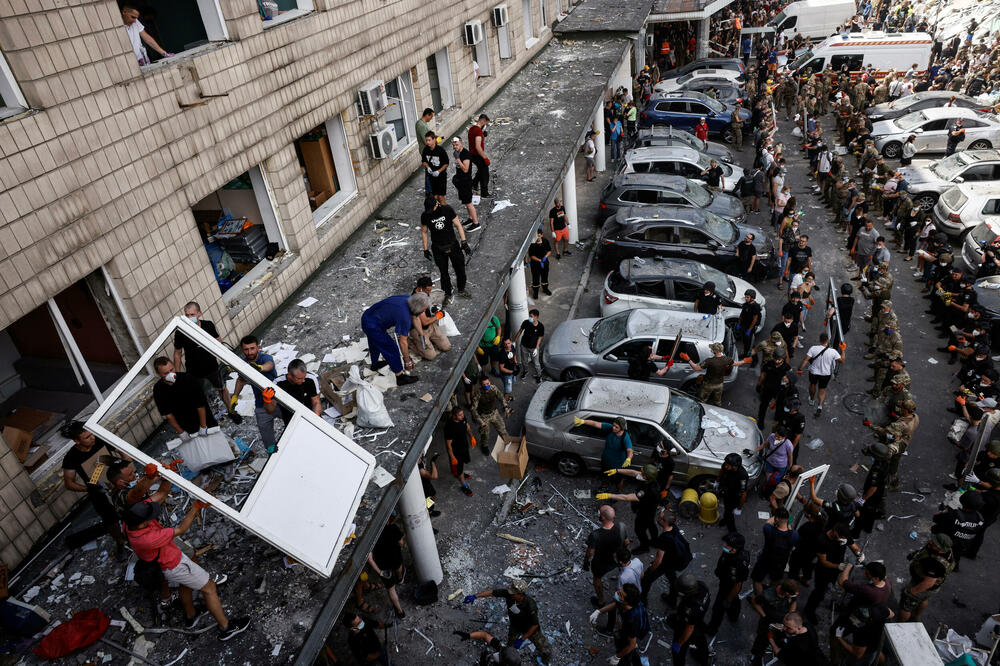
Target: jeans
{"type": "Point", "coordinates": [265, 423]}
{"type": "Point", "coordinates": [616, 146]}
{"type": "Point", "coordinates": [508, 383]}
{"type": "Point", "coordinates": [530, 356]}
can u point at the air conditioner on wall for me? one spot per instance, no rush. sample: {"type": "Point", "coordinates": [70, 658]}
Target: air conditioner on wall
{"type": "Point", "coordinates": [382, 143]}
{"type": "Point", "coordinates": [500, 16]}
{"type": "Point", "coordinates": [473, 33]}
{"type": "Point", "coordinates": [371, 98]}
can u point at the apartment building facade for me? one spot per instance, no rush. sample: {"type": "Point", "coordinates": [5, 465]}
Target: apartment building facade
{"type": "Point", "coordinates": [224, 174]}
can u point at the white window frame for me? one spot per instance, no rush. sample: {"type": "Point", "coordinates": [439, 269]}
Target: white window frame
{"type": "Point", "coordinates": [445, 85]}
{"type": "Point", "coordinates": [503, 43]}
{"type": "Point", "coordinates": [481, 55]}
{"type": "Point", "coordinates": [13, 98]}
{"type": "Point", "coordinates": [529, 29]}
{"type": "Point", "coordinates": [408, 111]}
{"type": "Point", "coordinates": [290, 475]}
{"type": "Point", "coordinates": [541, 16]}
{"type": "Point", "coordinates": [303, 7]}
{"type": "Point", "coordinates": [213, 20]}
{"type": "Point", "coordinates": [336, 136]}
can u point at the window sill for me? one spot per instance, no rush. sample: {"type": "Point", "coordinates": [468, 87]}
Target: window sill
{"type": "Point", "coordinates": [10, 112]}
{"type": "Point", "coordinates": [240, 294]}
{"type": "Point", "coordinates": [332, 206]}
{"type": "Point", "coordinates": [528, 43]}
{"type": "Point", "coordinates": [290, 15]}
{"type": "Point", "coordinates": [182, 56]}
{"type": "Point", "coordinates": [402, 151]}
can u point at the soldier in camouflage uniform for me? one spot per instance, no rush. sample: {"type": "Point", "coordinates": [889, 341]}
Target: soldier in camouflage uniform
{"type": "Point", "coordinates": [881, 93]}
{"type": "Point", "coordinates": [885, 368]}
{"type": "Point", "coordinates": [789, 93]}
{"type": "Point", "coordinates": [767, 346]}
{"type": "Point", "coordinates": [859, 95]}
{"type": "Point", "coordinates": [934, 562]}
{"type": "Point", "coordinates": [844, 112]}
{"type": "Point", "coordinates": [897, 436]}
{"type": "Point", "coordinates": [879, 289]}
{"type": "Point", "coordinates": [822, 94]}
{"type": "Point", "coordinates": [898, 393]}
{"type": "Point", "coordinates": [886, 343]}
{"type": "Point", "coordinates": [882, 318]}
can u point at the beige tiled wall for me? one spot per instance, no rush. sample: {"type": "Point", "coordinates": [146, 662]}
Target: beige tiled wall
{"type": "Point", "coordinates": [105, 167]}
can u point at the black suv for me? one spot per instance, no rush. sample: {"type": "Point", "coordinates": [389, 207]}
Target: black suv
{"type": "Point", "coordinates": [627, 190]}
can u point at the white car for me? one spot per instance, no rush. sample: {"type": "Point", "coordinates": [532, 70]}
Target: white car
{"type": "Point", "coordinates": [681, 82]}
{"type": "Point", "coordinates": [931, 126]}
{"type": "Point", "coordinates": [926, 181]}
{"type": "Point", "coordinates": [672, 284]}
{"type": "Point", "coordinates": [981, 235]}
{"type": "Point", "coordinates": [966, 206]}
{"type": "Point", "coordinates": [678, 161]}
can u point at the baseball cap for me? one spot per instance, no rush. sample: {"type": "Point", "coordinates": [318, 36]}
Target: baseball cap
{"type": "Point", "coordinates": [989, 403]}
{"type": "Point", "coordinates": [141, 512]}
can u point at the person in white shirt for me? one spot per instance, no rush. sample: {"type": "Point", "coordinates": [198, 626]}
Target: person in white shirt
{"type": "Point", "coordinates": [137, 35]}
{"type": "Point", "coordinates": [589, 152]}
{"type": "Point", "coordinates": [821, 359]}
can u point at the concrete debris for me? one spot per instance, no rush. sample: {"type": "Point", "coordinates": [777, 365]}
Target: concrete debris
{"type": "Point", "coordinates": [500, 205]}
{"type": "Point", "coordinates": [138, 628]}
{"type": "Point", "coordinates": [511, 537]}
{"type": "Point", "coordinates": [500, 490]}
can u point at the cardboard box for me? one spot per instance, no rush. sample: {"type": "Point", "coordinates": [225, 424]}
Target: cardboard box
{"type": "Point", "coordinates": [511, 454]}
{"type": "Point", "coordinates": [29, 419]}
{"type": "Point", "coordinates": [36, 457]}
{"type": "Point", "coordinates": [18, 440]}
{"type": "Point", "coordinates": [331, 384]}
{"type": "Point", "coordinates": [317, 199]}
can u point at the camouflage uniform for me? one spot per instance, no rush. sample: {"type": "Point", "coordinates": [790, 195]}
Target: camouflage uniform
{"type": "Point", "coordinates": [880, 289]}
{"type": "Point", "coordinates": [737, 126]}
{"type": "Point", "coordinates": [881, 93]}
{"type": "Point", "coordinates": [859, 96]}
{"type": "Point", "coordinates": [883, 366]}
{"type": "Point", "coordinates": [767, 346]}
{"type": "Point", "coordinates": [885, 343]}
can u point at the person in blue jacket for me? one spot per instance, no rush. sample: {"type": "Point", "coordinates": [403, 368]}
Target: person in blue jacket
{"type": "Point", "coordinates": [396, 312]}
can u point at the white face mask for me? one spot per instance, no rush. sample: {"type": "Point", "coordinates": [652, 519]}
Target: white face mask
{"type": "Point", "coordinates": [170, 377]}
{"type": "Point", "coordinates": [193, 320]}
{"type": "Point", "coordinates": [361, 625]}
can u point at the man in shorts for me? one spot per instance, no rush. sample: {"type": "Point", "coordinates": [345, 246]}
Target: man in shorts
{"type": "Point", "coordinates": [200, 363]}
{"type": "Point", "coordinates": [462, 180]}
{"type": "Point", "coordinates": [152, 542]}
{"type": "Point", "coordinates": [559, 226]}
{"type": "Point", "coordinates": [435, 161]}
{"type": "Point", "coordinates": [589, 153]}
{"type": "Point", "coordinates": [821, 359]}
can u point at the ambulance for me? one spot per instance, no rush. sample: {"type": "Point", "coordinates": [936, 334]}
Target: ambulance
{"type": "Point", "coordinates": [883, 51]}
{"type": "Point", "coordinates": [819, 18]}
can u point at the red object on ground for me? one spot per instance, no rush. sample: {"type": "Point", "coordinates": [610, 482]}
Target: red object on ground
{"type": "Point", "coordinates": [84, 629]}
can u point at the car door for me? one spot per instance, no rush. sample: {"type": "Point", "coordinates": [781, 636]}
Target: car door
{"type": "Point", "coordinates": [649, 293]}
{"type": "Point", "coordinates": [682, 118]}
{"type": "Point", "coordinates": [586, 441]}
{"type": "Point", "coordinates": [699, 111]}
{"type": "Point", "coordinates": [637, 196]}
{"type": "Point", "coordinates": [683, 294]}
{"type": "Point", "coordinates": [614, 363]}
{"type": "Point", "coordinates": [976, 173]}
{"type": "Point", "coordinates": [680, 370]}
{"type": "Point", "coordinates": [695, 244]}
{"type": "Point", "coordinates": [933, 135]}
{"type": "Point", "coordinates": [659, 239]}
{"type": "Point", "coordinates": [644, 436]}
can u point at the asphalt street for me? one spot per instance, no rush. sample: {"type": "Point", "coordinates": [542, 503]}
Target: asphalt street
{"type": "Point", "coordinates": [475, 559]}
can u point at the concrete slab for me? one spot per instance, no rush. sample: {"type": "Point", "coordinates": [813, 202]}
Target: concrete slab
{"type": "Point", "coordinates": [625, 16]}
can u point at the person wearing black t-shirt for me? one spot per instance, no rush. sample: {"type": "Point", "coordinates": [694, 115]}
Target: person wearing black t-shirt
{"type": "Point", "coordinates": [746, 258]}
{"type": "Point", "coordinates": [796, 644]}
{"type": "Point", "coordinates": [713, 176]}
{"type": "Point", "coordinates": [799, 257]}
{"type": "Point", "coordinates": [538, 262]}
{"type": "Point", "coordinates": [438, 225]}
{"type": "Point", "coordinates": [462, 180]}
{"type": "Point", "coordinates": [435, 161]}
{"type": "Point", "coordinates": [386, 560]}
{"type": "Point", "coordinates": [559, 226]}
{"type": "Point", "coordinates": [200, 362]}
{"type": "Point", "coordinates": [75, 478]}
{"type": "Point", "coordinates": [180, 400]}
{"type": "Point", "coordinates": [530, 335]}
{"type": "Point", "coordinates": [363, 641]}
{"type": "Point", "coordinates": [300, 386]}
{"type": "Point", "coordinates": [457, 435]}
{"type": "Point", "coordinates": [708, 302]}
{"type": "Point", "coordinates": [749, 320]}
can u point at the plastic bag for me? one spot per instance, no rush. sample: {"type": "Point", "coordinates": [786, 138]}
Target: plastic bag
{"type": "Point", "coordinates": [371, 405]}
{"type": "Point", "coordinates": [447, 326]}
{"type": "Point", "coordinates": [204, 451]}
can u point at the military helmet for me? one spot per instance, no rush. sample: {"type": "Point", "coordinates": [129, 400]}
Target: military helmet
{"type": "Point", "coordinates": [994, 447]}
{"type": "Point", "coordinates": [879, 451]}
{"type": "Point", "coordinates": [900, 378]}
{"type": "Point", "coordinates": [650, 472]}
{"type": "Point", "coordinates": [846, 493]}
{"type": "Point", "coordinates": [946, 257]}
{"type": "Point", "coordinates": [687, 584]}
{"type": "Point", "coordinates": [993, 477]}
{"type": "Point", "coordinates": [776, 336]}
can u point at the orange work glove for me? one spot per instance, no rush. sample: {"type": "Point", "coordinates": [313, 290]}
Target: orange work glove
{"type": "Point", "coordinates": [268, 395]}
{"type": "Point", "coordinates": [454, 466]}
{"type": "Point", "coordinates": [472, 441]}
{"type": "Point", "coordinates": [151, 470]}
{"type": "Point", "coordinates": [952, 348]}
{"type": "Point", "coordinates": [174, 463]}
{"type": "Point", "coordinates": [684, 357]}
{"type": "Point", "coordinates": [866, 423]}
{"type": "Point", "coordinates": [799, 371]}
{"type": "Point", "coordinates": [748, 359]}
{"type": "Point", "coordinates": [808, 307]}
{"type": "Point", "coordinates": [812, 480]}
{"type": "Point", "coordinates": [842, 346]}
{"type": "Point", "coordinates": [960, 399]}
{"type": "Point", "coordinates": [199, 505]}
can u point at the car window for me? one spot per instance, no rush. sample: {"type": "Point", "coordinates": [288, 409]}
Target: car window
{"type": "Point", "coordinates": [689, 170]}
{"type": "Point", "coordinates": [563, 399]}
{"type": "Point", "coordinates": [970, 123]}
{"type": "Point", "coordinates": [689, 236]}
{"type": "Point", "coordinates": [978, 172]}
{"type": "Point", "coordinates": [666, 345]}
{"type": "Point", "coordinates": [686, 291]}
{"type": "Point", "coordinates": [662, 234]}
{"type": "Point", "coordinates": [663, 107]}
{"type": "Point", "coordinates": [935, 125]}
{"type": "Point", "coordinates": [645, 435]}
{"type": "Point", "coordinates": [691, 349]}
{"type": "Point", "coordinates": [620, 284]}
{"type": "Point", "coordinates": [640, 196]}
{"type": "Point", "coordinates": [683, 420]}
{"type": "Point", "coordinates": [651, 289]}
{"type": "Point", "coordinates": [992, 207]}
{"type": "Point", "coordinates": [672, 199]}
{"type": "Point", "coordinates": [632, 348]}
{"type": "Point", "coordinates": [608, 331]}
{"type": "Point", "coordinates": [854, 61]}
{"type": "Point", "coordinates": [662, 166]}
{"type": "Point", "coordinates": [676, 107]}
{"type": "Point", "coordinates": [591, 431]}
{"type": "Point", "coordinates": [698, 108]}
{"type": "Point", "coordinates": [640, 167]}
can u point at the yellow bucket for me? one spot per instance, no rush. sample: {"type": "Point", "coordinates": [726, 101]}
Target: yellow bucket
{"type": "Point", "coordinates": [688, 507]}
{"type": "Point", "coordinates": [709, 513]}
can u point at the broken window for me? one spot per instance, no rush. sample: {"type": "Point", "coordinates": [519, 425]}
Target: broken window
{"type": "Point", "coordinates": [273, 12]}
{"type": "Point", "coordinates": [55, 362]}
{"type": "Point", "coordinates": [170, 25]}
{"type": "Point", "coordinates": [529, 30]}
{"type": "Point", "coordinates": [481, 58]}
{"type": "Point", "coordinates": [439, 78]}
{"type": "Point", "coordinates": [11, 100]}
{"type": "Point", "coordinates": [402, 111]}
{"type": "Point", "coordinates": [327, 171]}
{"type": "Point", "coordinates": [239, 227]}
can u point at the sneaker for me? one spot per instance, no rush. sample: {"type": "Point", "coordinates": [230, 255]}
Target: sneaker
{"type": "Point", "coordinates": [448, 298]}
{"type": "Point", "coordinates": [237, 626]}
{"type": "Point", "coordinates": [399, 614]}
{"type": "Point", "coordinates": [219, 578]}
{"type": "Point", "coordinates": [812, 401]}
{"type": "Point", "coordinates": [567, 253]}
{"type": "Point", "coordinates": [434, 513]}
{"type": "Point", "coordinates": [466, 476]}
{"type": "Point", "coordinates": [464, 293]}
{"type": "Point", "coordinates": [545, 290]}
{"type": "Point", "coordinates": [378, 365]}
{"type": "Point", "coordinates": [558, 256]}
{"type": "Point", "coordinates": [403, 379]}
{"type": "Point", "coordinates": [467, 490]}
{"type": "Point", "coordinates": [471, 227]}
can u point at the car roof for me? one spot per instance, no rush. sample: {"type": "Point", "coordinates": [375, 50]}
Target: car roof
{"type": "Point", "coordinates": [625, 397]}
{"type": "Point", "coordinates": [644, 214]}
{"type": "Point", "coordinates": [639, 268]}
{"type": "Point", "coordinates": [666, 181]}
{"type": "Point", "coordinates": [660, 323]}
{"type": "Point", "coordinates": [706, 61]}
{"type": "Point", "coordinates": [680, 152]}
{"type": "Point", "coordinates": [980, 188]}
{"type": "Point", "coordinates": [678, 94]}
{"type": "Point", "coordinates": [984, 155]}
{"type": "Point", "coordinates": [665, 131]}
{"type": "Point", "coordinates": [936, 112]}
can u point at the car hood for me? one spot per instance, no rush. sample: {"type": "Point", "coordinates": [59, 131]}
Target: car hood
{"type": "Point", "coordinates": [572, 338]}
{"type": "Point", "coordinates": [918, 174]}
{"type": "Point", "coordinates": [720, 152]}
{"type": "Point", "coordinates": [727, 206]}
{"type": "Point", "coordinates": [884, 127]}
{"type": "Point", "coordinates": [725, 432]}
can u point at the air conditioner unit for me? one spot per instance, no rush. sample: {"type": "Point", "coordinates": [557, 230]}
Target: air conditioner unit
{"type": "Point", "coordinates": [382, 143]}
{"type": "Point", "coordinates": [371, 98]}
{"type": "Point", "coordinates": [473, 33]}
{"type": "Point", "coordinates": [500, 17]}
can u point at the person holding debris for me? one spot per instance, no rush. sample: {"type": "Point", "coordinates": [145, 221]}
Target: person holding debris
{"type": "Point", "coordinates": [201, 363]}
{"type": "Point", "coordinates": [264, 364]}
{"type": "Point", "coordinates": [393, 312]}
{"type": "Point", "coordinates": [386, 560]}
{"type": "Point", "coordinates": [457, 435]}
{"type": "Point", "coordinates": [929, 567]}
{"type": "Point", "coordinates": [634, 625]}
{"type": "Point", "coordinates": [298, 384]}
{"type": "Point", "coordinates": [796, 644]}
{"type": "Point", "coordinates": [602, 544]}
{"type": "Point", "coordinates": [75, 478]}
{"type": "Point", "coordinates": [363, 641]}
{"type": "Point", "coordinates": [646, 501]}
{"type": "Point", "coordinates": [438, 224]}
{"type": "Point", "coordinates": [127, 489]}
{"type": "Point", "coordinates": [462, 180]}
{"type": "Point", "coordinates": [771, 606]}
{"type": "Point", "coordinates": [779, 540]}
{"type": "Point", "coordinates": [180, 400]}
{"type": "Point", "coordinates": [152, 542]}
{"type": "Point", "coordinates": [522, 614]}
{"type": "Point", "coordinates": [486, 405]}
{"type": "Point", "coordinates": [716, 369]}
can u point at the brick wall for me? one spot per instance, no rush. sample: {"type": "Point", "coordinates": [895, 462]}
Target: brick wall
{"type": "Point", "coordinates": [104, 169]}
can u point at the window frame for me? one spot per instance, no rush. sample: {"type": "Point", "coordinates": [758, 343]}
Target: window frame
{"type": "Point", "coordinates": [530, 39]}
{"type": "Point", "coordinates": [302, 8]}
{"type": "Point", "coordinates": [14, 101]}
{"type": "Point", "coordinates": [336, 130]}
{"type": "Point", "coordinates": [408, 111]}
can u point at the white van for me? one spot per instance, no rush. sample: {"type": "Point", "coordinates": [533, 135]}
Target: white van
{"type": "Point", "coordinates": [813, 19]}
{"type": "Point", "coordinates": [857, 50]}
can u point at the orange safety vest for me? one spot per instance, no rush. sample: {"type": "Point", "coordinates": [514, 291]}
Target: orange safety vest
{"type": "Point", "coordinates": [664, 47]}
{"type": "Point", "coordinates": [739, 23]}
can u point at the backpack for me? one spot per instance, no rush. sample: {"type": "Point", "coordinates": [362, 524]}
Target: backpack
{"type": "Point", "coordinates": [640, 619]}
{"type": "Point", "coordinates": [682, 551]}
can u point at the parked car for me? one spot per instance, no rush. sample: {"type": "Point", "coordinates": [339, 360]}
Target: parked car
{"type": "Point", "coordinates": [963, 207]}
{"type": "Point", "coordinates": [672, 284]}
{"type": "Point", "coordinates": [929, 99]}
{"type": "Point", "coordinates": [988, 296]}
{"type": "Point", "coordinates": [927, 181]}
{"type": "Point", "coordinates": [982, 130]}
{"type": "Point", "coordinates": [981, 235]}
{"type": "Point", "coordinates": [656, 189]}
{"type": "Point", "coordinates": [699, 436]}
{"type": "Point", "coordinates": [685, 109]}
{"type": "Point", "coordinates": [716, 64]}
{"type": "Point", "coordinates": [681, 82]}
{"type": "Point", "coordinates": [603, 347]}
{"type": "Point", "coordinates": [665, 135]}
{"type": "Point", "coordinates": [678, 161]}
{"type": "Point", "coordinates": [684, 233]}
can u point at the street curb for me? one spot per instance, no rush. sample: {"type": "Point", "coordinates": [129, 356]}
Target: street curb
{"type": "Point", "coordinates": [584, 278]}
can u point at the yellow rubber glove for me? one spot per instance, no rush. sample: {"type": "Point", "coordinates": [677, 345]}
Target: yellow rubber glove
{"type": "Point", "coordinates": [577, 421]}
{"type": "Point", "coordinates": [611, 472]}
{"type": "Point", "coordinates": [496, 340]}
{"type": "Point", "coordinates": [603, 496]}
{"type": "Point", "coordinates": [627, 463]}
{"type": "Point", "coordinates": [232, 402]}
